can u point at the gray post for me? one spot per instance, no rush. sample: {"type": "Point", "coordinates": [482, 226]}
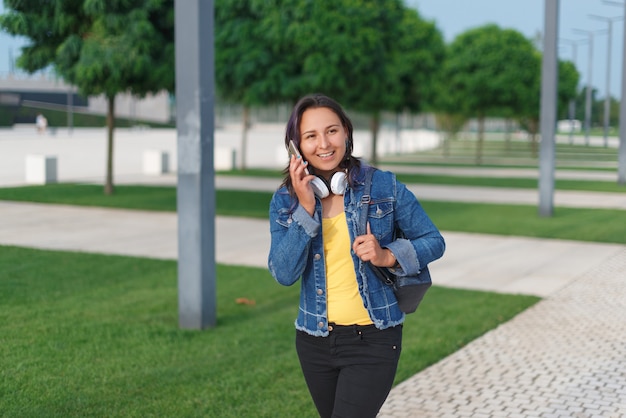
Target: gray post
{"type": "Point", "coordinates": [589, 81]}
{"type": "Point", "coordinates": [621, 164]}
{"type": "Point", "coordinates": [549, 80]}
{"type": "Point", "coordinates": [607, 99]}
{"type": "Point", "coordinates": [572, 102]}
{"type": "Point", "coordinates": [195, 93]}
{"type": "Point", "coordinates": [589, 89]}
{"type": "Point", "coordinates": [621, 157]}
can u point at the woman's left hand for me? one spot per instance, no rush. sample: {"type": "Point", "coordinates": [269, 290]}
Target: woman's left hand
{"type": "Point", "coordinates": [367, 248]}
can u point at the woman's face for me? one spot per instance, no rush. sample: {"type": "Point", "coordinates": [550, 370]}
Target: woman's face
{"type": "Point", "coordinates": [322, 139]}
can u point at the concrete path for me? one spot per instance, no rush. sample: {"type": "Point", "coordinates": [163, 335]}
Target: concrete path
{"type": "Point", "coordinates": [563, 357]}
{"type": "Point", "coordinates": [474, 261]}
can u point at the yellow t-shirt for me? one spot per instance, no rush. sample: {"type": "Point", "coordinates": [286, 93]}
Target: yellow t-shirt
{"type": "Point", "coordinates": [345, 306]}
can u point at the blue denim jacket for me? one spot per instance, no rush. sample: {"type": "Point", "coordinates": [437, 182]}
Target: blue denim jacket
{"type": "Point", "coordinates": [297, 250]}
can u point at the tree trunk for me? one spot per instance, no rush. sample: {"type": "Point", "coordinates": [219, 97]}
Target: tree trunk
{"type": "Point", "coordinates": [374, 125]}
{"type": "Point", "coordinates": [244, 137]}
{"type": "Point", "coordinates": [533, 126]}
{"type": "Point", "coordinates": [481, 139]}
{"type": "Point", "coordinates": [507, 134]}
{"type": "Point", "coordinates": [108, 186]}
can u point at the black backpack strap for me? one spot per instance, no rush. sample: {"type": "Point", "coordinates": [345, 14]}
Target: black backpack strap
{"type": "Point", "coordinates": [365, 200]}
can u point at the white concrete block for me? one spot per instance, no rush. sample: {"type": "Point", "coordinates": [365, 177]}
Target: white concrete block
{"type": "Point", "coordinates": [41, 169]}
{"type": "Point", "coordinates": [224, 158]}
{"type": "Point", "coordinates": [155, 162]}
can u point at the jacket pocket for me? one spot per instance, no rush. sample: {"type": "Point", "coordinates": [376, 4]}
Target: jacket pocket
{"type": "Point", "coordinates": [380, 216]}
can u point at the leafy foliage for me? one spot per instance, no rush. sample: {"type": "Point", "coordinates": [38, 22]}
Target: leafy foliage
{"type": "Point", "coordinates": [488, 71]}
{"type": "Point", "coordinates": [102, 47]}
{"type": "Point", "coordinates": [370, 56]}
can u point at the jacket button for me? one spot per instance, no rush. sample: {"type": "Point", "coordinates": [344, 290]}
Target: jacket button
{"type": "Point", "coordinates": [320, 325]}
{"type": "Point", "coordinates": [320, 291]}
{"type": "Point", "coordinates": [317, 256]}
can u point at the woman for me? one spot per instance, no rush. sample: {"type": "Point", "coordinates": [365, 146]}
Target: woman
{"type": "Point", "coordinates": [349, 326]}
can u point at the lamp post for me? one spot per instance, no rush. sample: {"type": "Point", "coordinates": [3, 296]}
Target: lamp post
{"type": "Point", "coordinates": [549, 82]}
{"type": "Point", "coordinates": [621, 157]}
{"type": "Point", "coordinates": [589, 87]}
{"type": "Point", "coordinates": [195, 191]}
{"type": "Point", "coordinates": [607, 99]}
{"type": "Point", "coordinates": [572, 102]}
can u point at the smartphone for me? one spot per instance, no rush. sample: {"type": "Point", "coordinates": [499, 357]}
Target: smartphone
{"type": "Point", "coordinates": [293, 150]}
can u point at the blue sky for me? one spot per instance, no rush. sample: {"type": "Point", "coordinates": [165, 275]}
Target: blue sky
{"type": "Point", "coordinates": [453, 17]}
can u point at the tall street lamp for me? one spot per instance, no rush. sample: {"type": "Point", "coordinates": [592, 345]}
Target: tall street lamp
{"type": "Point", "coordinates": [589, 82]}
{"type": "Point", "coordinates": [607, 99]}
{"type": "Point", "coordinates": [621, 157]}
{"type": "Point", "coordinates": [572, 102]}
{"type": "Point", "coordinates": [549, 83]}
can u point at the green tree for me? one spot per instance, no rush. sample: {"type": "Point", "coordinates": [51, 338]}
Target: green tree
{"type": "Point", "coordinates": [488, 71]}
{"type": "Point", "coordinates": [371, 56]}
{"type": "Point", "coordinates": [102, 47]}
{"type": "Point", "coordinates": [253, 55]}
{"type": "Point", "coordinates": [568, 85]}
{"type": "Point", "coordinates": [415, 59]}
{"type": "Point", "coordinates": [529, 116]}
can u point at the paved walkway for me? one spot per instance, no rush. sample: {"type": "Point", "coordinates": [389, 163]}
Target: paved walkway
{"type": "Point", "coordinates": [564, 357]}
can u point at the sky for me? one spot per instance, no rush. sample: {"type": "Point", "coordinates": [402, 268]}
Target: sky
{"type": "Point", "coordinates": [454, 17]}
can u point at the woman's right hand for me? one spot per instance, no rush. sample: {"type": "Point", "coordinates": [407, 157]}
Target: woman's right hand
{"type": "Point", "coordinates": [301, 182]}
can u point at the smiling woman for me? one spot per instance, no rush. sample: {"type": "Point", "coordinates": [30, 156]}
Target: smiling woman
{"type": "Point", "coordinates": [349, 326]}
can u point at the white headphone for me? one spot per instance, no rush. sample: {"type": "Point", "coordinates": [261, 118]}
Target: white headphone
{"type": "Point", "coordinates": [323, 188]}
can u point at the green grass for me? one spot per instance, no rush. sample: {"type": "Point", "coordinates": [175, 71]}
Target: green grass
{"type": "Point", "coordinates": [496, 151]}
{"type": "Point", "coordinates": [96, 335]}
{"type": "Point", "coordinates": [506, 182]}
{"type": "Point", "coordinates": [598, 225]}
{"type": "Point", "coordinates": [512, 182]}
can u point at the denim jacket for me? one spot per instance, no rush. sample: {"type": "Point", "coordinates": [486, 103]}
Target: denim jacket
{"type": "Point", "coordinates": [297, 251]}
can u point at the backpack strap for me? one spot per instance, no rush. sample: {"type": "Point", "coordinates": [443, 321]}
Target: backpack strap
{"type": "Point", "coordinates": [365, 200]}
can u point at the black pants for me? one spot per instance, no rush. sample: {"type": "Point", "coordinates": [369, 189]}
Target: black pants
{"type": "Point", "coordinates": [350, 372]}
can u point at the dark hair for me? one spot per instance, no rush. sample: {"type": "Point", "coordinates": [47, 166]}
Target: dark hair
{"type": "Point", "coordinates": [292, 132]}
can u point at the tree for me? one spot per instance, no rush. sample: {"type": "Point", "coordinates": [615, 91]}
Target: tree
{"type": "Point", "coordinates": [102, 47]}
{"type": "Point", "coordinates": [253, 64]}
{"type": "Point", "coordinates": [488, 71]}
{"type": "Point", "coordinates": [529, 116]}
{"type": "Point", "coordinates": [371, 56]}
{"type": "Point", "coordinates": [415, 59]}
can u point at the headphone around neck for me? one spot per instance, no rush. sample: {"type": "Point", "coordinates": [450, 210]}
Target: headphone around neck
{"type": "Point", "coordinates": [337, 185]}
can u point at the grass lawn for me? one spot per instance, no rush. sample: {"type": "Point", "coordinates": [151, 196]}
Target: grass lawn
{"type": "Point", "coordinates": [95, 335]}
{"type": "Point", "coordinates": [480, 181]}
{"type": "Point", "coordinates": [599, 225]}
